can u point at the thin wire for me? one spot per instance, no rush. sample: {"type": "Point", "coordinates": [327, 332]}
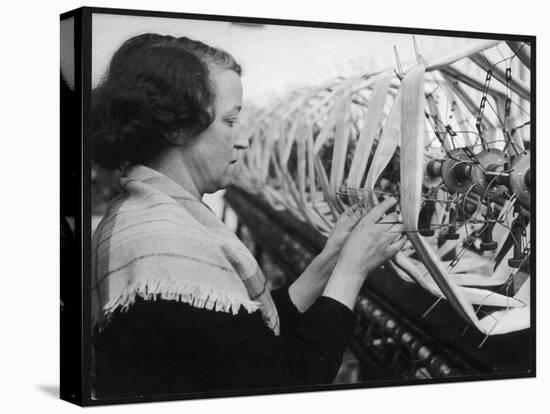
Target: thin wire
{"type": "Point", "coordinates": [496, 114]}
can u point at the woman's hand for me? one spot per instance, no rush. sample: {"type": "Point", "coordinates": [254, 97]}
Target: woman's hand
{"type": "Point", "coordinates": [339, 234]}
{"type": "Point", "coordinates": [311, 284]}
{"type": "Point", "coordinates": [373, 240]}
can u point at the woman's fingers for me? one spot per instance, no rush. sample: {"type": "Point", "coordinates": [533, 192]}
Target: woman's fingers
{"type": "Point", "coordinates": [350, 218]}
{"type": "Point", "coordinates": [397, 245]}
{"type": "Point", "coordinates": [392, 218]}
{"type": "Point", "coordinates": [398, 228]}
{"type": "Point", "coordinates": [378, 211]}
{"type": "Point", "coordinates": [386, 224]}
{"type": "Point", "coordinates": [353, 209]}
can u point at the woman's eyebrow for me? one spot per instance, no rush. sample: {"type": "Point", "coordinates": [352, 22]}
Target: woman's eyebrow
{"type": "Point", "coordinates": [235, 110]}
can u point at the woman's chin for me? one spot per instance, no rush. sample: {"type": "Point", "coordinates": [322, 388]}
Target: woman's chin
{"type": "Point", "coordinates": [225, 182]}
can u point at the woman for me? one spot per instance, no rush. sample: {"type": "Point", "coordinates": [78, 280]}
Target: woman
{"type": "Point", "coordinates": [179, 304]}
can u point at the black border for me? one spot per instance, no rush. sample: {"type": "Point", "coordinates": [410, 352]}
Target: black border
{"type": "Point", "coordinates": [71, 318]}
{"type": "Point", "coordinates": [307, 23]}
{"type": "Point", "coordinates": [87, 200]}
{"type": "Point", "coordinates": [533, 149]}
{"type": "Point", "coordinates": [86, 79]}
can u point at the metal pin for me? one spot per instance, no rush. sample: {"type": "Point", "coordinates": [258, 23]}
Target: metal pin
{"type": "Point", "coordinates": [497, 174]}
{"type": "Point", "coordinates": [399, 67]}
{"type": "Point", "coordinates": [431, 308]}
{"type": "Point", "coordinates": [418, 57]}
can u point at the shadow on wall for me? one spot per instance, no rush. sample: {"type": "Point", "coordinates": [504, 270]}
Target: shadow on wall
{"type": "Point", "coordinates": [49, 389]}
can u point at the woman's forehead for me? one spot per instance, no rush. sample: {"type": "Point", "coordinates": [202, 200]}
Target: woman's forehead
{"type": "Point", "coordinates": [229, 90]}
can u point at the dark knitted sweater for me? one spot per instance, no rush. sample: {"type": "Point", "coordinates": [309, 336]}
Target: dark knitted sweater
{"type": "Point", "coordinates": [168, 347]}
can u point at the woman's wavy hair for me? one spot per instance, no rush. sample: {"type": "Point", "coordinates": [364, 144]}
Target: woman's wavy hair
{"type": "Point", "coordinates": [155, 86]}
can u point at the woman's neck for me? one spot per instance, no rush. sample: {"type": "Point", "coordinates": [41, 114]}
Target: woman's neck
{"type": "Point", "coordinates": [171, 164]}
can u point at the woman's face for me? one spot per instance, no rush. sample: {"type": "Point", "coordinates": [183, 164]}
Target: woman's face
{"type": "Point", "coordinates": [213, 155]}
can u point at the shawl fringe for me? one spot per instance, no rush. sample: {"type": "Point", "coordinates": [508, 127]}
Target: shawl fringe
{"type": "Point", "coordinates": [201, 297]}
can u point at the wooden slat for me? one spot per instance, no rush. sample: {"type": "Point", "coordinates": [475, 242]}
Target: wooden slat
{"type": "Point", "coordinates": [455, 56]}
{"type": "Point", "coordinates": [368, 133]}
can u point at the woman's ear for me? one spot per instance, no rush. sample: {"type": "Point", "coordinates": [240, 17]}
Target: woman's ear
{"type": "Point", "coordinates": [178, 137]}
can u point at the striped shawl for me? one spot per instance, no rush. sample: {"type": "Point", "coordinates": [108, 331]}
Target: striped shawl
{"type": "Point", "coordinates": [158, 241]}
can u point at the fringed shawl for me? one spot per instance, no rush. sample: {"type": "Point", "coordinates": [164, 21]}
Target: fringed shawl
{"type": "Point", "coordinates": [158, 241]}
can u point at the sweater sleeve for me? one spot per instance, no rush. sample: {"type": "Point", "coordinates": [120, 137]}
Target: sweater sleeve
{"type": "Point", "coordinates": [310, 354]}
{"type": "Point", "coordinates": [289, 315]}
{"type": "Point", "coordinates": [169, 346]}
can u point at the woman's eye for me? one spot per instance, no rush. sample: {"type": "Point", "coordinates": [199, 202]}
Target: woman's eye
{"type": "Point", "coordinates": [232, 122]}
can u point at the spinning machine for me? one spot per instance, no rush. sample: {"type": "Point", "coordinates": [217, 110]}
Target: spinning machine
{"type": "Point", "coordinates": [450, 137]}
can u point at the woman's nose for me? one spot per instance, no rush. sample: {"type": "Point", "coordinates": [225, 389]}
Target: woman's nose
{"type": "Point", "coordinates": [242, 142]}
